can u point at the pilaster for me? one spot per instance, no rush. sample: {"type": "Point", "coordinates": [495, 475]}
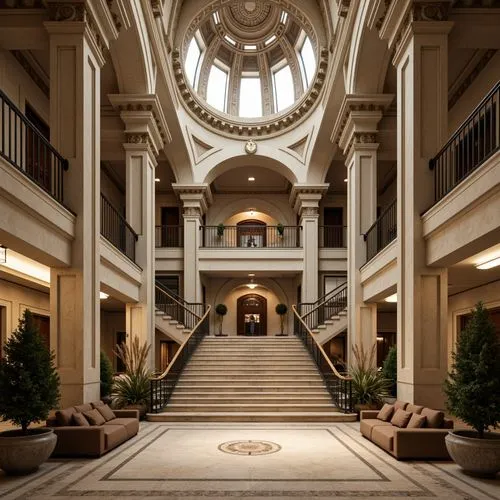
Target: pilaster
{"type": "Point", "coordinates": [305, 199]}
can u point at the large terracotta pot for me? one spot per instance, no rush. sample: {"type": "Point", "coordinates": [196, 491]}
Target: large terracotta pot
{"type": "Point", "coordinates": [476, 456]}
{"type": "Point", "coordinates": [22, 454]}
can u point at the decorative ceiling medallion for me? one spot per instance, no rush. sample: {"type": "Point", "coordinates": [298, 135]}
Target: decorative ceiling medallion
{"type": "Point", "coordinates": [250, 14]}
{"type": "Point", "coordinates": [251, 147]}
{"type": "Point", "coordinates": [249, 448]}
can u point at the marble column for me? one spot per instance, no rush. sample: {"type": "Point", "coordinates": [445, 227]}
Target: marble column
{"type": "Point", "coordinates": [77, 42]}
{"type": "Point", "coordinates": [305, 199]}
{"type": "Point", "coordinates": [421, 59]}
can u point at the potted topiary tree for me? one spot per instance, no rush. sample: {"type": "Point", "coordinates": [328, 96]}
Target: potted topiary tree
{"type": "Point", "coordinates": [473, 391]}
{"type": "Point", "coordinates": [106, 377]}
{"type": "Point", "coordinates": [281, 310]}
{"type": "Point", "coordinates": [221, 311]}
{"type": "Point", "coordinates": [390, 368]}
{"type": "Point", "coordinates": [29, 389]}
{"type": "Point", "coordinates": [220, 230]}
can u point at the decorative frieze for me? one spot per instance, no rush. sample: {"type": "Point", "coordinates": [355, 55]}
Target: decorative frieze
{"type": "Point", "coordinates": [343, 6]}
{"type": "Point", "coordinates": [131, 138]}
{"type": "Point", "coordinates": [192, 212]}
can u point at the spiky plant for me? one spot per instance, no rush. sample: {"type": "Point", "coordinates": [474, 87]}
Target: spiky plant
{"type": "Point", "coordinates": [29, 383]}
{"type": "Point", "coordinates": [473, 386]}
{"type": "Point", "coordinates": [368, 385]}
{"type": "Point", "coordinates": [134, 355]}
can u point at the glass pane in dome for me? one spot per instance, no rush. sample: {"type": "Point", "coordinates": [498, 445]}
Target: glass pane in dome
{"type": "Point", "coordinates": [283, 88]}
{"type": "Point", "coordinates": [250, 98]}
{"type": "Point", "coordinates": [192, 61]}
{"type": "Point", "coordinates": [308, 61]}
{"type": "Point", "coordinates": [217, 88]}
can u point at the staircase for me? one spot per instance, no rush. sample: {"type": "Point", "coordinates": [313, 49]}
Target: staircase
{"type": "Point", "coordinates": [174, 316]}
{"type": "Point", "coordinates": [327, 317]}
{"type": "Point", "coordinates": [264, 379]}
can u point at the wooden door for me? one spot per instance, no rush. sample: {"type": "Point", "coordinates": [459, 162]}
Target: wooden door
{"type": "Point", "coordinates": [43, 325]}
{"type": "Point", "coordinates": [252, 315]}
{"type": "Point", "coordinates": [170, 231]}
{"type": "Point", "coordinates": [252, 234]}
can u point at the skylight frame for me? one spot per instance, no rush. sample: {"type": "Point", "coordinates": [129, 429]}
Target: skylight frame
{"type": "Point", "coordinates": [194, 78]}
{"type": "Point", "coordinates": [290, 101]}
{"type": "Point", "coordinates": [306, 69]}
{"type": "Point", "coordinates": [253, 99]}
{"type": "Point", "coordinates": [222, 68]}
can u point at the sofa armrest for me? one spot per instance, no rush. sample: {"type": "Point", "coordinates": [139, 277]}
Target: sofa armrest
{"type": "Point", "coordinates": [420, 443]}
{"type": "Point", "coordinates": [79, 441]}
{"type": "Point", "coordinates": [368, 414]}
{"type": "Point", "coordinates": [127, 413]}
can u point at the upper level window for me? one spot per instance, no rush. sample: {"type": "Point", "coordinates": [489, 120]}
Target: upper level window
{"type": "Point", "coordinates": [217, 88]}
{"type": "Point", "coordinates": [193, 62]}
{"type": "Point", "coordinates": [250, 97]}
{"type": "Point", "coordinates": [307, 62]}
{"type": "Point", "coordinates": [284, 94]}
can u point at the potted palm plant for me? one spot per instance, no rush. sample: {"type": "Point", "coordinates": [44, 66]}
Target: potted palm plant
{"type": "Point", "coordinates": [369, 387]}
{"type": "Point", "coordinates": [221, 311]}
{"type": "Point", "coordinates": [281, 310]}
{"type": "Point", "coordinates": [29, 389]}
{"type": "Point", "coordinates": [473, 391]}
{"type": "Point", "coordinates": [132, 389]}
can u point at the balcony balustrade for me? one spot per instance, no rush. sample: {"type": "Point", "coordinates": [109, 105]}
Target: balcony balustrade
{"type": "Point", "coordinates": [332, 236]}
{"type": "Point", "coordinates": [251, 236]}
{"type": "Point", "coordinates": [382, 231]}
{"type": "Point", "coordinates": [477, 139]}
{"type": "Point", "coordinates": [169, 236]}
{"type": "Point", "coordinates": [27, 150]}
{"type": "Point", "coordinates": [116, 229]}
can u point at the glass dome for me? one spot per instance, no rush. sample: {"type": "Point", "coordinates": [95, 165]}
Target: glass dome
{"type": "Point", "coordinates": [250, 59]}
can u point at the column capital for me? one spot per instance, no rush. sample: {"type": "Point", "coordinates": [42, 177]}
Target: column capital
{"type": "Point", "coordinates": [195, 198]}
{"type": "Point", "coordinates": [145, 122]}
{"type": "Point", "coordinates": [357, 121]}
{"type": "Point", "coordinates": [305, 198]}
{"type": "Point", "coordinates": [93, 19]}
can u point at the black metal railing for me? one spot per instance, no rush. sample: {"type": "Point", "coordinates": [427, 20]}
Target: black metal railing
{"type": "Point", "coordinates": [382, 232]}
{"type": "Point", "coordinates": [169, 236]}
{"type": "Point", "coordinates": [116, 229]}
{"type": "Point", "coordinates": [186, 313]}
{"type": "Point", "coordinates": [163, 386]}
{"type": "Point", "coordinates": [26, 149]}
{"type": "Point", "coordinates": [331, 304]}
{"type": "Point", "coordinates": [339, 385]}
{"type": "Point", "coordinates": [472, 144]}
{"type": "Point", "coordinates": [332, 236]}
{"type": "Point", "coordinates": [251, 236]}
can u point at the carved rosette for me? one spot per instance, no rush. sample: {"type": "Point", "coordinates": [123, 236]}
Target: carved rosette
{"type": "Point", "coordinates": [132, 138]}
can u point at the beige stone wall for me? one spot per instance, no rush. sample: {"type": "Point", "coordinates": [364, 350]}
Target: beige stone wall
{"type": "Point", "coordinates": [14, 299]}
{"type": "Point", "coordinates": [111, 191]}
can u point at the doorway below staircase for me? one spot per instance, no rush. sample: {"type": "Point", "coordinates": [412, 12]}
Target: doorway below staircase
{"type": "Point", "coordinates": [252, 315]}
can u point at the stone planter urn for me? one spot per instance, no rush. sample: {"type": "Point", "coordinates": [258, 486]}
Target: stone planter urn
{"type": "Point", "coordinates": [476, 456]}
{"type": "Point", "coordinates": [23, 454]}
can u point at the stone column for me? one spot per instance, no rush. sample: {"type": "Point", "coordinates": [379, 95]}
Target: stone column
{"type": "Point", "coordinates": [76, 44]}
{"type": "Point", "coordinates": [421, 59]}
{"type": "Point", "coordinates": [195, 199]}
{"type": "Point", "coordinates": [145, 129]}
{"type": "Point", "coordinates": [305, 199]}
{"type": "Point", "coordinates": [357, 136]}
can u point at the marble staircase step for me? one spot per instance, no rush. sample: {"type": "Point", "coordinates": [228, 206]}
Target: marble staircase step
{"type": "Point", "coordinates": [247, 407]}
{"type": "Point", "coordinates": [246, 388]}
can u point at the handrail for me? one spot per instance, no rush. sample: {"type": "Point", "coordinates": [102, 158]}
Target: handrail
{"type": "Point", "coordinates": [178, 298]}
{"type": "Point", "coordinates": [382, 231]}
{"type": "Point", "coordinates": [180, 312]}
{"type": "Point", "coordinates": [162, 386]}
{"type": "Point", "coordinates": [332, 236]}
{"type": "Point", "coordinates": [325, 297]}
{"type": "Point", "coordinates": [340, 294]}
{"type": "Point", "coordinates": [339, 386]}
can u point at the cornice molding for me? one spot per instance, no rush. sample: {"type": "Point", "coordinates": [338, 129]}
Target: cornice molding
{"type": "Point", "coordinates": [193, 197]}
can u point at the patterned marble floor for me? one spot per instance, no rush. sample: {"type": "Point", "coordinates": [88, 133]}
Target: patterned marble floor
{"type": "Point", "coordinates": [286, 461]}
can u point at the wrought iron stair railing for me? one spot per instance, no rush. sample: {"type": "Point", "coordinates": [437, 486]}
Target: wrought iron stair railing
{"type": "Point", "coordinates": [161, 387]}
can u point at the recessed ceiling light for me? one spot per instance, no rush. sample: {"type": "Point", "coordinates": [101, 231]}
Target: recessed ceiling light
{"type": "Point", "coordinates": [345, 180]}
{"type": "Point", "coordinates": [392, 298]}
{"type": "Point", "coordinates": [251, 179]}
{"type": "Point", "coordinates": [251, 275]}
{"type": "Point", "coordinates": [489, 264]}
{"type": "Point", "coordinates": [157, 179]}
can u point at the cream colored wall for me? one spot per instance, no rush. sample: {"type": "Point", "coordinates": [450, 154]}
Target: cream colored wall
{"type": "Point", "coordinates": [227, 291]}
{"type": "Point", "coordinates": [19, 87]}
{"type": "Point", "coordinates": [15, 299]}
{"type": "Point", "coordinates": [111, 323]}
{"type": "Point", "coordinates": [111, 191]}
{"type": "Point", "coordinates": [462, 303]}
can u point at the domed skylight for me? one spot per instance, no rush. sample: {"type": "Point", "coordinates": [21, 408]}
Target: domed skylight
{"type": "Point", "coordinates": [250, 59]}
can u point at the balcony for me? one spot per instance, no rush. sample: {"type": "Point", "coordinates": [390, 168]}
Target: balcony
{"type": "Point", "coordinates": [26, 149]}
{"type": "Point", "coordinates": [332, 237]}
{"type": "Point", "coordinates": [116, 229]}
{"type": "Point", "coordinates": [382, 232]}
{"type": "Point", "coordinates": [251, 237]}
{"type": "Point", "coordinates": [477, 140]}
{"type": "Point", "coordinates": [169, 236]}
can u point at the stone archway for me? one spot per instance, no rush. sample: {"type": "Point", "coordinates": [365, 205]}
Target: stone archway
{"type": "Point", "coordinates": [252, 315]}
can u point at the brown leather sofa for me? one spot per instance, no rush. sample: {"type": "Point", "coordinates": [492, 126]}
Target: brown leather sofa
{"type": "Point", "coordinates": [94, 440]}
{"type": "Point", "coordinates": [427, 442]}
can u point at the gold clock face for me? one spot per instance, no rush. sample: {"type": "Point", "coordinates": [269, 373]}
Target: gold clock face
{"type": "Point", "coordinates": [251, 147]}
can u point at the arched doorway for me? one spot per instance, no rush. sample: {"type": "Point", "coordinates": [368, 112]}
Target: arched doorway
{"type": "Point", "coordinates": [252, 315]}
{"type": "Point", "coordinates": [252, 234]}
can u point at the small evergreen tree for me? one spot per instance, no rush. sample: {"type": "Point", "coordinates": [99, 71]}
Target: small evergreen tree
{"type": "Point", "coordinates": [281, 310]}
{"type": "Point", "coordinates": [473, 386]}
{"type": "Point", "coordinates": [29, 383]}
{"type": "Point", "coordinates": [390, 368]}
{"type": "Point", "coordinates": [221, 311]}
{"type": "Point", "coordinates": [106, 375]}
